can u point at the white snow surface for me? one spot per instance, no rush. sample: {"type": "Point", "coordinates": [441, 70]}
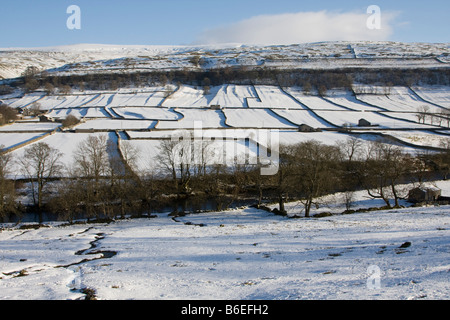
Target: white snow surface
{"type": "Point", "coordinates": [30, 127]}
{"type": "Point", "coordinates": [242, 254]}
{"type": "Point", "coordinates": [255, 118]}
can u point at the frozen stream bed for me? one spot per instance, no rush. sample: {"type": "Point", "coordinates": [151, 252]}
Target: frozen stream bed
{"type": "Point", "coordinates": [238, 254]}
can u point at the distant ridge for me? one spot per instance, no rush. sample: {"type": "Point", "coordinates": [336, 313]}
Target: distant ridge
{"type": "Point", "coordinates": [328, 55]}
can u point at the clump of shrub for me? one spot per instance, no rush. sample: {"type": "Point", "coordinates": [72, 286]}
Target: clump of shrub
{"type": "Point", "coordinates": [7, 114]}
{"type": "Point", "coordinates": [70, 121]}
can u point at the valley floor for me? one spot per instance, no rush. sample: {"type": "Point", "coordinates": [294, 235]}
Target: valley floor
{"type": "Point", "coordinates": [239, 254]}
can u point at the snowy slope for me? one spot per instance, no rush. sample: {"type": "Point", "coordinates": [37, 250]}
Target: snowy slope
{"type": "Point", "coordinates": [399, 99]}
{"type": "Point", "coordinates": [189, 117]}
{"type": "Point", "coordinates": [146, 113]}
{"type": "Point", "coordinates": [436, 94]}
{"type": "Point", "coordinates": [300, 117]}
{"type": "Point", "coordinates": [66, 143]}
{"type": "Point", "coordinates": [273, 97]}
{"type": "Point", "coordinates": [242, 254]}
{"type": "Point", "coordinates": [85, 58]}
{"type": "Point", "coordinates": [241, 107]}
{"type": "Point", "coordinates": [256, 118]}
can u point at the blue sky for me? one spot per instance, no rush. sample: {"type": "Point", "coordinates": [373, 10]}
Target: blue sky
{"type": "Point", "coordinates": [36, 23]}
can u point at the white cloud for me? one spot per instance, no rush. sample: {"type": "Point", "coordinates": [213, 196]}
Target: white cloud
{"type": "Point", "coordinates": [300, 27]}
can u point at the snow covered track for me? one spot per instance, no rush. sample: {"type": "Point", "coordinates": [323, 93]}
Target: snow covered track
{"type": "Point", "coordinates": [237, 254]}
{"type": "Point", "coordinates": [52, 258]}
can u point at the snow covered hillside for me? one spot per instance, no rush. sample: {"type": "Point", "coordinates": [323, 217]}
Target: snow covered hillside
{"type": "Point", "coordinates": [85, 58]}
{"type": "Point", "coordinates": [242, 253]}
{"type": "Point", "coordinates": [237, 254]}
{"type": "Point", "coordinates": [144, 116]}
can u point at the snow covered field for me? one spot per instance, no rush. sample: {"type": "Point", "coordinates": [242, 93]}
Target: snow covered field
{"type": "Point", "coordinates": [64, 102]}
{"type": "Point", "coordinates": [15, 139]}
{"type": "Point", "coordinates": [152, 113]}
{"type": "Point", "coordinates": [315, 102]}
{"type": "Point", "coordinates": [146, 113]}
{"type": "Point", "coordinates": [399, 99]}
{"type": "Point", "coordinates": [91, 112]}
{"type": "Point", "coordinates": [238, 254]}
{"type": "Point", "coordinates": [436, 94]}
{"type": "Point", "coordinates": [66, 143]}
{"type": "Point", "coordinates": [29, 127]}
{"type": "Point", "coordinates": [116, 124]}
{"type": "Point", "coordinates": [187, 118]}
{"type": "Point", "coordinates": [231, 96]}
{"type": "Point", "coordinates": [348, 100]}
{"type": "Point", "coordinates": [420, 138]}
{"type": "Point", "coordinates": [382, 120]}
{"type": "Point", "coordinates": [273, 97]}
{"type": "Point", "coordinates": [300, 117]}
{"type": "Point", "coordinates": [256, 118]}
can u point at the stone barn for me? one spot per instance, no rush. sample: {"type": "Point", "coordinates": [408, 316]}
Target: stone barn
{"type": "Point", "coordinates": [364, 123]}
{"type": "Point", "coordinates": [424, 194]}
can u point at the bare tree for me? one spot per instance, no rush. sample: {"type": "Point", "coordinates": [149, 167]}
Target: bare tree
{"type": "Point", "coordinates": [68, 199]}
{"type": "Point", "coordinates": [351, 148]}
{"type": "Point", "coordinates": [125, 183]}
{"type": "Point", "coordinates": [40, 163]}
{"type": "Point", "coordinates": [372, 179]}
{"type": "Point", "coordinates": [423, 113]}
{"type": "Point", "coordinates": [316, 171]}
{"type": "Point", "coordinates": [147, 190]}
{"type": "Point", "coordinates": [166, 159]}
{"type": "Point", "coordinates": [206, 86]}
{"type": "Point", "coordinates": [92, 163]}
{"type": "Point", "coordinates": [307, 170]}
{"type": "Point", "coordinates": [307, 88]}
{"type": "Point", "coordinates": [382, 170]}
{"type": "Point", "coordinates": [202, 156]}
{"type": "Point", "coordinates": [176, 158]}
{"type": "Point", "coordinates": [195, 60]}
{"type": "Point", "coordinates": [322, 90]}
{"type": "Point", "coordinates": [130, 156]}
{"type": "Point", "coordinates": [30, 71]}
{"type": "Point", "coordinates": [445, 115]}
{"type": "Point", "coordinates": [49, 88]}
{"type": "Point", "coordinates": [7, 114]}
{"type": "Point", "coordinates": [91, 157]}
{"type": "Point", "coordinates": [7, 190]}
{"type": "Point", "coordinates": [351, 151]}
{"type": "Point", "coordinates": [442, 160]}
{"type": "Point", "coordinates": [31, 83]}
{"type": "Point", "coordinates": [34, 110]}
{"type": "Point", "coordinates": [65, 89]}
{"type": "Point", "coordinates": [420, 167]}
{"type": "Point", "coordinates": [283, 178]}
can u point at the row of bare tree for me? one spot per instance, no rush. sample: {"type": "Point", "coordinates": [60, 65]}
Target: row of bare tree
{"type": "Point", "coordinates": [310, 170]}
{"type": "Point", "coordinates": [322, 80]}
{"type": "Point", "coordinates": [64, 190]}
{"type": "Point", "coordinates": [103, 182]}
{"type": "Point", "coordinates": [440, 117]}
